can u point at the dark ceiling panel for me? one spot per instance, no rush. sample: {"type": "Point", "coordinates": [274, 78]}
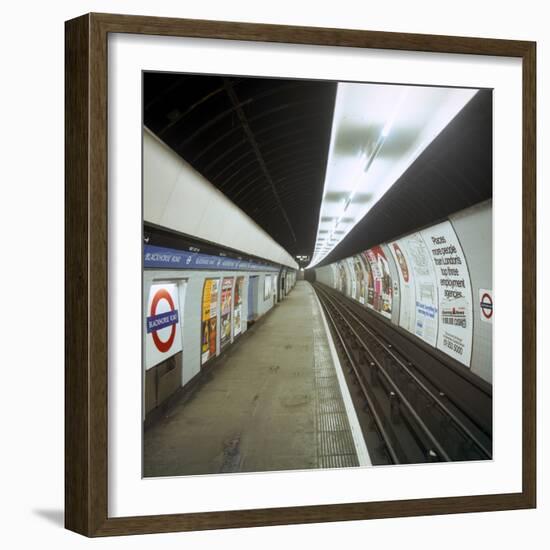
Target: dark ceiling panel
{"type": "Point", "coordinates": [262, 142]}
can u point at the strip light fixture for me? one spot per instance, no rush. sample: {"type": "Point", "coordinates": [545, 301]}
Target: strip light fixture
{"type": "Point", "coordinates": [378, 131]}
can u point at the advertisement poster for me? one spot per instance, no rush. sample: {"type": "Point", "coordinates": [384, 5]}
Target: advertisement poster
{"type": "Point", "coordinates": [342, 283]}
{"type": "Point", "coordinates": [225, 320]}
{"type": "Point", "coordinates": [238, 306]}
{"type": "Point", "coordinates": [360, 293]}
{"type": "Point", "coordinates": [209, 319]}
{"type": "Point", "coordinates": [425, 287]}
{"type": "Point", "coordinates": [267, 287]}
{"type": "Point", "coordinates": [455, 293]}
{"type": "Point", "coordinates": [382, 299]}
{"type": "Point", "coordinates": [353, 281]}
{"type": "Point", "coordinates": [407, 306]}
{"type": "Point", "coordinates": [162, 324]}
{"type": "Point", "coordinates": [369, 282]}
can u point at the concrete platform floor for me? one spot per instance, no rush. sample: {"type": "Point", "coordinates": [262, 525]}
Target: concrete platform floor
{"type": "Point", "coordinates": [271, 403]}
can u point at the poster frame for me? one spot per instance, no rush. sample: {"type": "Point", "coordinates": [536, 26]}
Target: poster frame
{"type": "Point", "coordinates": [238, 289]}
{"type": "Point", "coordinates": [231, 310]}
{"type": "Point", "coordinates": [86, 273]}
{"type": "Point", "coordinates": [218, 316]}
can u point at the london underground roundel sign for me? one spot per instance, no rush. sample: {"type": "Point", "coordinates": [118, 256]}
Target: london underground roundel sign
{"type": "Point", "coordinates": [162, 324]}
{"type": "Point", "coordinates": [157, 321]}
{"type": "Point", "coordinates": [486, 305]}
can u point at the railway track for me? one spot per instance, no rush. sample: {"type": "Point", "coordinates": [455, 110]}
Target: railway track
{"type": "Point", "coordinates": [411, 419]}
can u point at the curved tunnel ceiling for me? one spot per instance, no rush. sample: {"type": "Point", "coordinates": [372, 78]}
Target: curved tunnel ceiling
{"type": "Point", "coordinates": [262, 142]}
{"type": "Point", "coordinates": [454, 172]}
{"type": "Point", "coordinates": [378, 131]}
{"type": "Point", "coordinates": [265, 143]}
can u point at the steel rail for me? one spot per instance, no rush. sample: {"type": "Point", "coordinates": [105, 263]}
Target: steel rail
{"type": "Point", "coordinates": [480, 385]}
{"type": "Point", "coordinates": [428, 433]}
{"type": "Point", "coordinates": [372, 408]}
{"type": "Point", "coordinates": [465, 430]}
{"type": "Point", "coordinates": [475, 420]}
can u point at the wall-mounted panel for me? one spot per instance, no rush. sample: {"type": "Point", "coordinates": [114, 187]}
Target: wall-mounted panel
{"type": "Point", "coordinates": [209, 319]}
{"type": "Point", "coordinates": [407, 302]}
{"type": "Point", "coordinates": [226, 312]}
{"type": "Point", "coordinates": [239, 315]}
{"type": "Point", "coordinates": [454, 292]}
{"type": "Point", "coordinates": [382, 282]}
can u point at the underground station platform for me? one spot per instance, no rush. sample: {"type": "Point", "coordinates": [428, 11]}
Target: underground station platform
{"type": "Point", "coordinates": [317, 282]}
{"type": "Point", "coordinates": [273, 402]}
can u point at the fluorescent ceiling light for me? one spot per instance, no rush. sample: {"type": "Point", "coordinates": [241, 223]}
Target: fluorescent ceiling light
{"type": "Point", "coordinates": [378, 131]}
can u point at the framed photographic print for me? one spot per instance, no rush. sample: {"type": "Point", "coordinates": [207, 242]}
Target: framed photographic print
{"type": "Point", "coordinates": [283, 251]}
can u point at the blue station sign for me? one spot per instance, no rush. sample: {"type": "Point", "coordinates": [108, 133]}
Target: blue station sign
{"type": "Point", "coordinates": [158, 257]}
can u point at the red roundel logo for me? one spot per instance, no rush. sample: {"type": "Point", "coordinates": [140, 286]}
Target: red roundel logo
{"type": "Point", "coordinates": [486, 304]}
{"type": "Point", "coordinates": [156, 322]}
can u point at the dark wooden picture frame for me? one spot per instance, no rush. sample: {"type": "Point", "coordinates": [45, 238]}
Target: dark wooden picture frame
{"type": "Point", "coordinates": [86, 268]}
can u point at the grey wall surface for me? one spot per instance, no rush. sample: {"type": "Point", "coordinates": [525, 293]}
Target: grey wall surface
{"type": "Point", "coordinates": [325, 275]}
{"type": "Point", "coordinates": [474, 229]}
